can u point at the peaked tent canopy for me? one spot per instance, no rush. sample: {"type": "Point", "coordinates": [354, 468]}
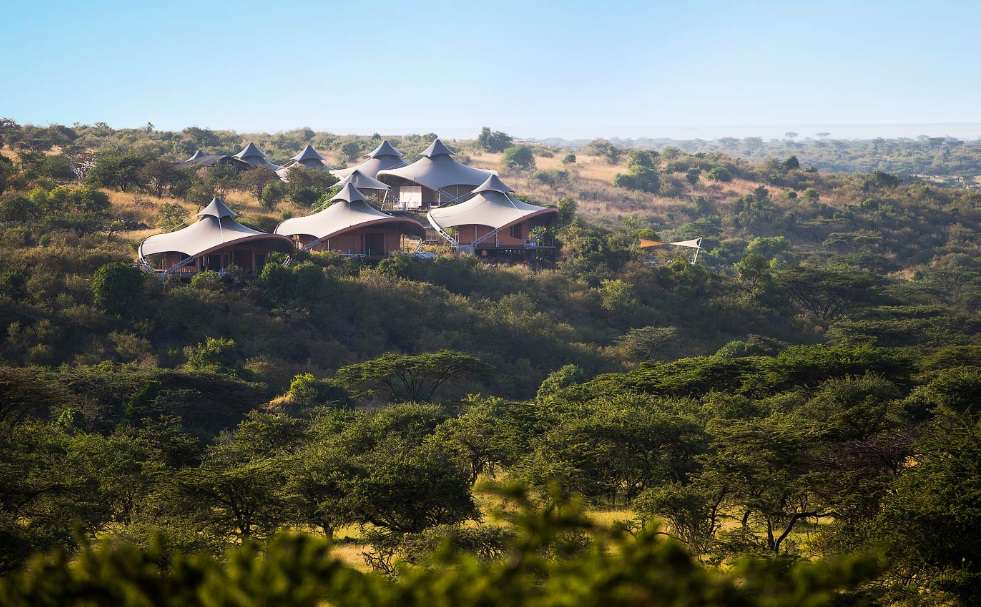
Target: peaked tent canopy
{"type": "Point", "coordinates": [385, 156]}
{"type": "Point", "coordinates": [308, 154]}
{"type": "Point", "coordinates": [307, 158]}
{"type": "Point", "coordinates": [216, 208]}
{"type": "Point", "coordinates": [203, 159]}
{"type": "Point", "coordinates": [490, 206]}
{"type": "Point", "coordinates": [437, 170]}
{"type": "Point", "coordinates": [254, 156]}
{"type": "Point", "coordinates": [362, 182]}
{"type": "Point", "coordinates": [214, 229]}
{"type": "Point", "coordinates": [348, 211]}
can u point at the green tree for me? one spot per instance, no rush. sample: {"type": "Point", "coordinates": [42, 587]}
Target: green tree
{"type": "Point", "coordinates": [217, 355]}
{"type": "Point", "coordinates": [171, 217]}
{"type": "Point", "coordinates": [409, 377]}
{"type": "Point", "coordinates": [118, 288]}
{"type": "Point", "coordinates": [255, 180]}
{"type": "Point", "coordinates": [519, 157]}
{"type": "Point", "coordinates": [351, 150]}
{"type": "Point", "coordinates": [493, 141]}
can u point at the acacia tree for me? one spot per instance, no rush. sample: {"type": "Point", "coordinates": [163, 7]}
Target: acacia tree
{"type": "Point", "coordinates": [409, 377]}
{"type": "Point", "coordinates": [827, 293]}
{"type": "Point", "coordinates": [255, 180]}
{"type": "Point", "coordinates": [493, 141]}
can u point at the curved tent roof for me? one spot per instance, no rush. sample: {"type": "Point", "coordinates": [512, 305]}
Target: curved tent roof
{"type": "Point", "coordinates": [254, 156]}
{"type": "Point", "coordinates": [215, 228]}
{"type": "Point", "coordinates": [200, 158]}
{"type": "Point", "coordinates": [348, 211]}
{"type": "Point", "coordinates": [384, 157]}
{"type": "Point", "coordinates": [362, 182]}
{"type": "Point", "coordinates": [437, 170]}
{"type": "Point", "coordinates": [490, 206]}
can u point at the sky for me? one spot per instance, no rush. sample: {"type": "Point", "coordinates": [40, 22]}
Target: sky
{"type": "Point", "coordinates": [533, 68]}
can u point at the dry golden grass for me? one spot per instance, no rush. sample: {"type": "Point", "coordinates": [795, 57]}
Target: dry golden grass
{"type": "Point", "coordinates": [9, 153]}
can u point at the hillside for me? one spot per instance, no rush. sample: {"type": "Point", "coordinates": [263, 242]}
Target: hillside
{"type": "Point", "coordinates": [802, 399]}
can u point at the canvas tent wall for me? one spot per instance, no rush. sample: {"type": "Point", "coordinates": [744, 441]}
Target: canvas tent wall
{"type": "Point", "coordinates": [215, 242]}
{"type": "Point", "coordinates": [435, 179]}
{"type": "Point", "coordinates": [492, 217]}
{"type": "Point", "coordinates": [385, 156]}
{"type": "Point", "coordinates": [351, 226]}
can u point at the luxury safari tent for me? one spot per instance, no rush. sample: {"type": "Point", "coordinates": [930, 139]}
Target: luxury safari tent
{"type": "Point", "coordinates": [308, 158]}
{"type": "Point", "coordinates": [433, 180]}
{"type": "Point", "coordinates": [492, 222]}
{"type": "Point", "coordinates": [201, 159]}
{"type": "Point", "coordinates": [254, 156]}
{"type": "Point", "coordinates": [350, 226]}
{"type": "Point", "coordinates": [215, 242]}
{"type": "Point", "coordinates": [368, 186]}
{"type": "Point", "coordinates": [384, 157]}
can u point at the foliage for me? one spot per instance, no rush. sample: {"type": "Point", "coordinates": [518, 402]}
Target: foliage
{"type": "Point", "coordinates": [493, 141]}
{"type": "Point", "coordinates": [409, 377]}
{"type": "Point", "coordinates": [299, 570]}
{"type": "Point", "coordinates": [519, 157]}
{"type": "Point", "coordinates": [118, 288]}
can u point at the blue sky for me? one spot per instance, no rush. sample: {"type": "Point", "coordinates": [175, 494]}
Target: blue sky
{"type": "Point", "coordinates": [535, 69]}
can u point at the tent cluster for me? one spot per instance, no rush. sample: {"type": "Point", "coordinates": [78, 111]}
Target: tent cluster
{"type": "Point", "coordinates": [471, 209]}
{"type": "Point", "coordinates": [251, 156]}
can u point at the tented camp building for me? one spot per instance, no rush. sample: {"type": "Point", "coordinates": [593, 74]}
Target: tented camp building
{"type": "Point", "coordinates": [202, 160]}
{"type": "Point", "coordinates": [254, 157]}
{"type": "Point", "coordinates": [214, 242]}
{"type": "Point", "coordinates": [433, 180]}
{"type": "Point", "coordinates": [307, 158]}
{"type": "Point", "coordinates": [370, 187]}
{"type": "Point", "coordinates": [350, 226]}
{"type": "Point", "coordinates": [491, 221]}
{"type": "Point", "coordinates": [384, 157]}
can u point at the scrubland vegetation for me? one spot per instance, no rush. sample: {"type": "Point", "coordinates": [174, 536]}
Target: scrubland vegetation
{"type": "Point", "coordinates": [793, 420]}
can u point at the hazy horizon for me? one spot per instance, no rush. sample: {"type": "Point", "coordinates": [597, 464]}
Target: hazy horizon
{"type": "Point", "coordinates": [963, 131]}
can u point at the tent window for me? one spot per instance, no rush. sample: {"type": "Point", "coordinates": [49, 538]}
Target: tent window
{"type": "Point", "coordinates": [410, 196]}
{"type": "Point", "coordinates": [516, 231]}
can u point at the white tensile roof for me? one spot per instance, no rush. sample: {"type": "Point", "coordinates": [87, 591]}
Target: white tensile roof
{"type": "Point", "coordinates": [215, 228]}
{"type": "Point", "coordinates": [437, 170]}
{"type": "Point", "coordinates": [491, 205]}
{"type": "Point", "coordinates": [362, 181]}
{"type": "Point", "coordinates": [348, 211]}
{"type": "Point", "coordinates": [385, 156]}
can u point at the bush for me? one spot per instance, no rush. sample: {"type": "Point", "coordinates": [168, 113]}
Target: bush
{"type": "Point", "coordinates": [519, 157]}
{"type": "Point", "coordinates": [117, 287]}
{"type": "Point", "coordinates": [719, 173]}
